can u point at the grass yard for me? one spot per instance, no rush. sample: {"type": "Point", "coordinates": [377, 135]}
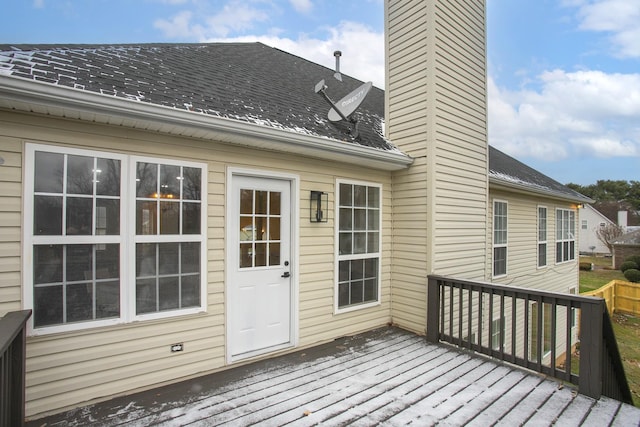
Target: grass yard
{"type": "Point", "coordinates": [600, 276]}
{"type": "Point", "coordinates": [626, 327]}
{"type": "Point", "coordinates": [627, 330]}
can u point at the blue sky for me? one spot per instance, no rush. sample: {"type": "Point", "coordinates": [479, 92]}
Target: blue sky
{"type": "Point", "coordinates": [563, 75]}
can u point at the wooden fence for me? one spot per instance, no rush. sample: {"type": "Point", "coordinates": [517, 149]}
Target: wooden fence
{"type": "Point", "coordinates": [621, 297]}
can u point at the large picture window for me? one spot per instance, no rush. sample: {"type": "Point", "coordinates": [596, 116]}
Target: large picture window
{"type": "Point", "coordinates": [358, 243]}
{"type": "Point", "coordinates": [499, 238]}
{"type": "Point", "coordinates": [77, 238]}
{"type": "Point", "coordinates": [565, 235]}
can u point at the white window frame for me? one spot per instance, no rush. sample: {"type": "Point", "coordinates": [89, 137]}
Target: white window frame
{"type": "Point", "coordinates": [134, 239]}
{"type": "Point", "coordinates": [565, 234]}
{"type": "Point", "coordinates": [543, 241]}
{"type": "Point", "coordinates": [338, 257]}
{"type": "Point", "coordinates": [584, 224]}
{"type": "Point", "coordinates": [504, 244]}
{"type": "Point", "coordinates": [573, 290]}
{"type": "Point", "coordinates": [126, 239]}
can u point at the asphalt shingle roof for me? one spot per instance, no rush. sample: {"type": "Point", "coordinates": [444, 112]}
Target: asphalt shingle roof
{"type": "Point", "coordinates": [249, 82]}
{"type": "Point", "coordinates": [511, 171]}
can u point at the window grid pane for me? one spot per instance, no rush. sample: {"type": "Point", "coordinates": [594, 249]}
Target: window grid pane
{"type": "Point", "coordinates": [75, 283]}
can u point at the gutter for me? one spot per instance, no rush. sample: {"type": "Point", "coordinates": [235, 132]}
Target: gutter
{"type": "Point", "coordinates": [33, 96]}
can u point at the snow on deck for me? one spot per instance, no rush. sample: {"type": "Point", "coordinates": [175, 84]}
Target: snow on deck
{"type": "Point", "coordinates": [383, 377]}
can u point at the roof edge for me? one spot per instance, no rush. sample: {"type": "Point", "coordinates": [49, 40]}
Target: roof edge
{"type": "Point", "coordinates": [60, 101]}
{"type": "Point", "coordinates": [523, 188]}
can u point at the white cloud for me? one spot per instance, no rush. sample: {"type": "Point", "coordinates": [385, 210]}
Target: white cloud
{"type": "Point", "coordinates": [619, 18]}
{"type": "Point", "coordinates": [179, 26]}
{"type": "Point", "coordinates": [587, 113]}
{"type": "Point", "coordinates": [38, 4]}
{"type": "Point", "coordinates": [235, 16]}
{"type": "Point", "coordinates": [302, 6]}
{"type": "Point", "coordinates": [362, 49]}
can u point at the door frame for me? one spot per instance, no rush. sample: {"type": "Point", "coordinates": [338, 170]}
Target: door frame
{"type": "Point", "coordinates": [294, 181]}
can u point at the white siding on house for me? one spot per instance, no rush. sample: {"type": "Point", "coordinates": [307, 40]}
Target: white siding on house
{"type": "Point", "coordinates": [436, 112]}
{"type": "Point", "coordinates": [588, 237]}
{"type": "Point", "coordinates": [522, 256]}
{"type": "Point", "coordinates": [10, 223]}
{"type": "Point", "coordinates": [72, 368]}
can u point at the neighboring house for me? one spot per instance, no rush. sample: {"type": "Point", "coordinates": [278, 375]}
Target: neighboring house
{"type": "Point", "coordinates": [195, 197]}
{"type": "Point", "coordinates": [625, 246]}
{"type": "Point", "coordinates": [592, 220]}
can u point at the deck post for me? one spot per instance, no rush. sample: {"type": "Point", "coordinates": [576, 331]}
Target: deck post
{"type": "Point", "coordinates": [591, 358]}
{"type": "Point", "coordinates": [433, 310]}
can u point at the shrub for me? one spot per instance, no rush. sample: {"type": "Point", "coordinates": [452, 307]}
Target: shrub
{"type": "Point", "coordinates": [628, 265]}
{"type": "Point", "coordinates": [586, 266]}
{"type": "Point", "coordinates": [634, 258]}
{"type": "Point", "coordinates": [632, 275]}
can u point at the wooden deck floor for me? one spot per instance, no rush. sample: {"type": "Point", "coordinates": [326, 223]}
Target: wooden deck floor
{"type": "Point", "coordinates": [383, 377]}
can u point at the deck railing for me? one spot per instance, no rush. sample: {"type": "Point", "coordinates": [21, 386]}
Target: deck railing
{"type": "Point", "coordinates": [12, 368]}
{"type": "Point", "coordinates": [565, 336]}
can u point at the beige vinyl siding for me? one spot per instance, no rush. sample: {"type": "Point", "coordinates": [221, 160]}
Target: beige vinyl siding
{"type": "Point", "coordinates": [436, 112]}
{"type": "Point", "coordinates": [68, 369]}
{"type": "Point", "coordinates": [10, 224]}
{"type": "Point", "coordinates": [522, 247]}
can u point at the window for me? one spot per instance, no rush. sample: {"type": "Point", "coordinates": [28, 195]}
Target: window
{"type": "Point", "coordinates": [574, 312]}
{"type": "Point", "coordinates": [542, 236]}
{"type": "Point", "coordinates": [168, 236]}
{"type": "Point", "coordinates": [358, 243]}
{"type": "Point", "coordinates": [585, 224]}
{"type": "Point", "coordinates": [497, 332]}
{"type": "Point", "coordinates": [565, 235]}
{"type": "Point", "coordinates": [78, 238]}
{"type": "Point", "coordinates": [540, 330]}
{"type": "Point", "coordinates": [499, 238]}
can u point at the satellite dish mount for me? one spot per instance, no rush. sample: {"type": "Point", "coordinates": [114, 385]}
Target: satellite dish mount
{"type": "Point", "coordinates": [343, 109]}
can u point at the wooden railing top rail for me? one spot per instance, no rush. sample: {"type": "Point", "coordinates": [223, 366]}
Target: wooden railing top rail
{"type": "Point", "coordinates": [12, 323]}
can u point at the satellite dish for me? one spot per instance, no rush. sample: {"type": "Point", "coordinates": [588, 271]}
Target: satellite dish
{"type": "Point", "coordinates": [349, 103]}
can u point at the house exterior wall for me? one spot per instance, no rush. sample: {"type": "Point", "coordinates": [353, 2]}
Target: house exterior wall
{"type": "Point", "coordinates": [588, 236]}
{"type": "Point", "coordinates": [67, 369]}
{"type": "Point", "coordinates": [436, 112]}
{"type": "Point", "coordinates": [522, 246]}
{"type": "Point", "coordinates": [522, 259]}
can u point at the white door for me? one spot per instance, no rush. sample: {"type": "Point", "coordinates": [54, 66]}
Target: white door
{"type": "Point", "coordinates": [259, 268]}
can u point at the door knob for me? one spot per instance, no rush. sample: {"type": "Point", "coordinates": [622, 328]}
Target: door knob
{"type": "Point", "coordinates": [286, 274]}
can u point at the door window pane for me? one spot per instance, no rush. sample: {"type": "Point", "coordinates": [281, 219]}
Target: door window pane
{"type": "Point", "coordinates": [260, 228]}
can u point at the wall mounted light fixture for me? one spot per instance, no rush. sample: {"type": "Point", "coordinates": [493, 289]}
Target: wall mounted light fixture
{"type": "Point", "coordinates": [318, 206]}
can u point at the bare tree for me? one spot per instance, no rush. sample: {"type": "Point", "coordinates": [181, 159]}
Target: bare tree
{"type": "Point", "coordinates": [608, 233]}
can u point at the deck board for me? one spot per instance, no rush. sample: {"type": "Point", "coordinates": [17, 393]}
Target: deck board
{"type": "Point", "coordinates": [383, 377]}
